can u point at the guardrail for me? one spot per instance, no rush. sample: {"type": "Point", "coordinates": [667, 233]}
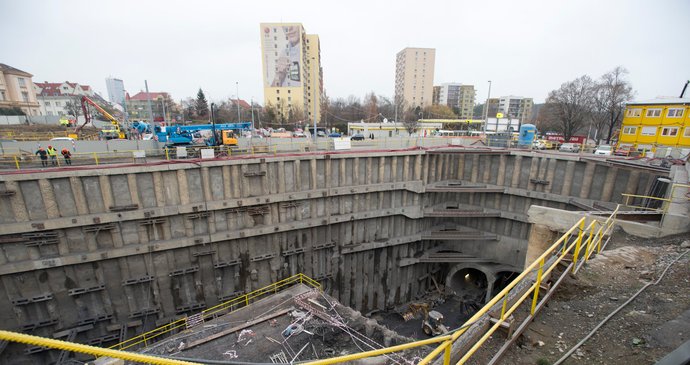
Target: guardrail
{"type": "Point", "coordinates": [574, 247]}
{"type": "Point", "coordinates": [663, 203]}
{"type": "Point", "coordinates": [571, 250]}
{"type": "Point", "coordinates": [220, 309]}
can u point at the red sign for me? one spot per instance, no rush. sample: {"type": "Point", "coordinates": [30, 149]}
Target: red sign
{"type": "Point", "coordinates": [560, 139]}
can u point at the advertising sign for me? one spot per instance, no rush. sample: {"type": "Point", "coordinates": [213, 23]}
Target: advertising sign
{"type": "Point", "coordinates": [282, 54]}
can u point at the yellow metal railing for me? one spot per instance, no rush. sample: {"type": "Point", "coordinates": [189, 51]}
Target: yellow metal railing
{"type": "Point", "coordinates": [223, 308]}
{"type": "Point", "coordinates": [576, 244]}
{"type": "Point", "coordinates": [86, 349]}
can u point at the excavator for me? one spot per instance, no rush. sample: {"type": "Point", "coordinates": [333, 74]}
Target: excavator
{"type": "Point", "coordinates": [432, 324]}
{"type": "Point", "coordinates": [114, 132]}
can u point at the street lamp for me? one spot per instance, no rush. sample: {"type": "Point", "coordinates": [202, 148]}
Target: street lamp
{"type": "Point", "coordinates": [486, 112]}
{"type": "Point", "coordinates": [237, 89]}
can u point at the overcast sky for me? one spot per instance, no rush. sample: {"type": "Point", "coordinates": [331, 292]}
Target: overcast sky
{"type": "Point", "coordinates": [525, 48]}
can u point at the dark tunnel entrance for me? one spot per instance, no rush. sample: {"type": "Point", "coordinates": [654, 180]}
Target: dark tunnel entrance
{"type": "Point", "coordinates": [469, 284]}
{"type": "Point", "coordinates": [503, 278]}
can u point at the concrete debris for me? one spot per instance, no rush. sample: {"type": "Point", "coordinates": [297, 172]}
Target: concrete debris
{"type": "Point", "coordinates": [541, 343]}
{"type": "Point", "coordinates": [685, 244]}
{"type": "Point", "coordinates": [244, 335]}
{"type": "Point", "coordinates": [231, 354]}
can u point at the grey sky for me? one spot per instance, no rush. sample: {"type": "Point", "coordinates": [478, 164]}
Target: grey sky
{"type": "Point", "coordinates": [526, 48]}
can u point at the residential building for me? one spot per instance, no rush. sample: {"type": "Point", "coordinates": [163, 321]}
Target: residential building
{"type": "Point", "coordinates": [116, 90]}
{"type": "Point", "coordinates": [55, 98]}
{"type": "Point", "coordinates": [458, 97]}
{"type": "Point", "coordinates": [162, 106]}
{"type": "Point", "coordinates": [414, 76]}
{"type": "Point", "coordinates": [17, 90]}
{"type": "Point", "coordinates": [516, 107]}
{"type": "Point", "coordinates": [492, 106]}
{"type": "Point", "coordinates": [658, 122]}
{"type": "Point", "coordinates": [292, 73]}
{"type": "Point", "coordinates": [436, 95]}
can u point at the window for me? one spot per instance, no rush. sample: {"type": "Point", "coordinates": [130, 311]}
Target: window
{"type": "Point", "coordinates": [21, 82]}
{"type": "Point", "coordinates": [669, 131]}
{"type": "Point", "coordinates": [653, 112]}
{"type": "Point", "coordinates": [687, 132]}
{"type": "Point", "coordinates": [57, 103]}
{"type": "Point", "coordinates": [629, 130]}
{"type": "Point", "coordinates": [675, 113]}
{"type": "Point", "coordinates": [25, 96]}
{"type": "Point", "coordinates": [50, 113]}
{"type": "Point", "coordinates": [648, 131]}
{"type": "Point", "coordinates": [47, 103]}
{"type": "Point", "coordinates": [634, 113]}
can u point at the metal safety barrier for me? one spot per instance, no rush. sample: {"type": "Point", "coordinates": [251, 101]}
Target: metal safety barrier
{"type": "Point", "coordinates": [220, 309]}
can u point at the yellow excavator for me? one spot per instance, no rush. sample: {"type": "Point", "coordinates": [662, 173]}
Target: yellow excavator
{"type": "Point", "coordinates": [114, 132]}
{"type": "Point", "coordinates": [432, 324]}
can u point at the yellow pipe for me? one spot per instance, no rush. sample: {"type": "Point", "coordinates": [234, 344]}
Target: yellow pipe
{"type": "Point", "coordinates": [361, 355]}
{"type": "Point", "coordinates": [86, 349]}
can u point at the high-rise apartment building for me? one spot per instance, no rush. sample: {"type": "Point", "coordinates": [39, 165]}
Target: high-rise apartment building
{"type": "Point", "coordinates": [116, 90]}
{"type": "Point", "coordinates": [458, 97]}
{"type": "Point", "coordinates": [516, 107]}
{"type": "Point", "coordinates": [414, 76]}
{"type": "Point", "coordinates": [291, 66]}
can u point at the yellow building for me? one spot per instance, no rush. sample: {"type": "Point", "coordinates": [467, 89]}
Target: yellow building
{"type": "Point", "coordinates": [291, 67]}
{"type": "Point", "coordinates": [658, 122]}
{"type": "Point", "coordinates": [17, 90]}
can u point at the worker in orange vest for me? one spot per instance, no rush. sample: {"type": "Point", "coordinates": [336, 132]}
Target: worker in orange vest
{"type": "Point", "coordinates": [67, 155]}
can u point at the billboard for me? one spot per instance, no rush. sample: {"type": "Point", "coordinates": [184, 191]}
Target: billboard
{"type": "Point", "coordinates": [281, 46]}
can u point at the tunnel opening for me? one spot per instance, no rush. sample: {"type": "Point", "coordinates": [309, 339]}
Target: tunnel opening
{"type": "Point", "coordinates": [469, 285]}
{"type": "Point", "coordinates": [503, 278]}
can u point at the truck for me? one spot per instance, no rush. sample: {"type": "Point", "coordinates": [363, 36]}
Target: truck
{"type": "Point", "coordinates": [200, 134]}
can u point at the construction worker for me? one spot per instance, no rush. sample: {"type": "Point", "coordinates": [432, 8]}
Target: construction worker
{"type": "Point", "coordinates": [53, 155]}
{"type": "Point", "coordinates": [43, 155]}
{"type": "Point", "coordinates": [67, 155]}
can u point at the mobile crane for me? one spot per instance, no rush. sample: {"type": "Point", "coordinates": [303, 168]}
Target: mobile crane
{"type": "Point", "coordinates": [113, 133]}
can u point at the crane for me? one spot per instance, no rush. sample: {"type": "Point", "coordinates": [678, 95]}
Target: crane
{"type": "Point", "coordinates": [115, 132]}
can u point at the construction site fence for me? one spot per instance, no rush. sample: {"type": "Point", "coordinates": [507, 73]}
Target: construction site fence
{"type": "Point", "coordinates": [20, 158]}
{"type": "Point", "coordinates": [226, 307]}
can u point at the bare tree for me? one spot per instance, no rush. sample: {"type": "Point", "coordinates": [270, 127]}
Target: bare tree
{"type": "Point", "coordinates": [570, 106]}
{"type": "Point", "coordinates": [73, 106]}
{"type": "Point", "coordinates": [371, 107]}
{"type": "Point", "coordinates": [611, 93]}
{"type": "Point", "coordinates": [411, 118]}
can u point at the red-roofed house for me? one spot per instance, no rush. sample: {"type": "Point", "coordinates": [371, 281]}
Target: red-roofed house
{"type": "Point", "coordinates": [162, 106]}
{"type": "Point", "coordinates": [54, 96]}
{"type": "Point", "coordinates": [243, 103]}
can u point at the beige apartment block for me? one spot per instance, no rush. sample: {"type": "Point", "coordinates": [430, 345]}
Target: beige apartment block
{"type": "Point", "coordinates": [17, 90]}
{"type": "Point", "coordinates": [292, 73]}
{"type": "Point", "coordinates": [414, 76]}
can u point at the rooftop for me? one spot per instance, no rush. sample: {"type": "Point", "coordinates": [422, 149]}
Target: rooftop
{"type": "Point", "coordinates": [662, 101]}
{"type": "Point", "coordinates": [142, 96]}
{"type": "Point", "coordinates": [15, 71]}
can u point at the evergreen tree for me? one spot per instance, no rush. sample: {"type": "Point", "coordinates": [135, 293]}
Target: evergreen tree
{"type": "Point", "coordinates": [201, 104]}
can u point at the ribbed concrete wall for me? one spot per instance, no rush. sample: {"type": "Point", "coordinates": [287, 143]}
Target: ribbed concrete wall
{"type": "Point", "coordinates": [138, 246]}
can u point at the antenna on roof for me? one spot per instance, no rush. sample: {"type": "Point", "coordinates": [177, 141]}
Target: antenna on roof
{"type": "Point", "coordinates": [684, 88]}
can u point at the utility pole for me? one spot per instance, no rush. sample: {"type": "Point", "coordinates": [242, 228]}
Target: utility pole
{"type": "Point", "coordinates": [237, 90]}
{"type": "Point", "coordinates": [486, 109]}
{"type": "Point", "coordinates": [148, 99]}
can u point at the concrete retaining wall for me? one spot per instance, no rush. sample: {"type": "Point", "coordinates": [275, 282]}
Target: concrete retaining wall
{"type": "Point", "coordinates": [139, 246]}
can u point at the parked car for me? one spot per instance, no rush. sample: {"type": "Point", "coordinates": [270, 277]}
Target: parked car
{"type": "Point", "coordinates": [62, 139]}
{"type": "Point", "coordinates": [538, 145]}
{"type": "Point", "coordinates": [299, 135]}
{"type": "Point", "coordinates": [604, 150]}
{"type": "Point", "coordinates": [625, 151]}
{"type": "Point", "coordinates": [357, 137]}
{"type": "Point", "coordinates": [320, 133]}
{"type": "Point", "coordinates": [569, 147]}
{"type": "Point", "coordinates": [335, 135]}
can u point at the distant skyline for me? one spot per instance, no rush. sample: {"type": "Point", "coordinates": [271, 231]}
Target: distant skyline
{"type": "Point", "coordinates": [525, 48]}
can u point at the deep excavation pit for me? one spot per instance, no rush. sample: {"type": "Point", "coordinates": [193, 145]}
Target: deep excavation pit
{"type": "Point", "coordinates": [100, 255]}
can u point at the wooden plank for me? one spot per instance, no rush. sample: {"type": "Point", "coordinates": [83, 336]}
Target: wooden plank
{"type": "Point", "coordinates": [238, 328]}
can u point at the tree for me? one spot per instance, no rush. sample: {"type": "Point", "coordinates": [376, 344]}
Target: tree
{"type": "Point", "coordinates": [569, 106]}
{"type": "Point", "coordinates": [371, 107]}
{"type": "Point", "coordinates": [610, 94]}
{"type": "Point", "coordinates": [73, 106]}
{"type": "Point", "coordinates": [440, 112]}
{"type": "Point", "coordinates": [411, 119]}
{"type": "Point", "coordinates": [201, 106]}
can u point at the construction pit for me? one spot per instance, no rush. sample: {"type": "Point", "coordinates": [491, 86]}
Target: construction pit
{"type": "Point", "coordinates": [101, 255]}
